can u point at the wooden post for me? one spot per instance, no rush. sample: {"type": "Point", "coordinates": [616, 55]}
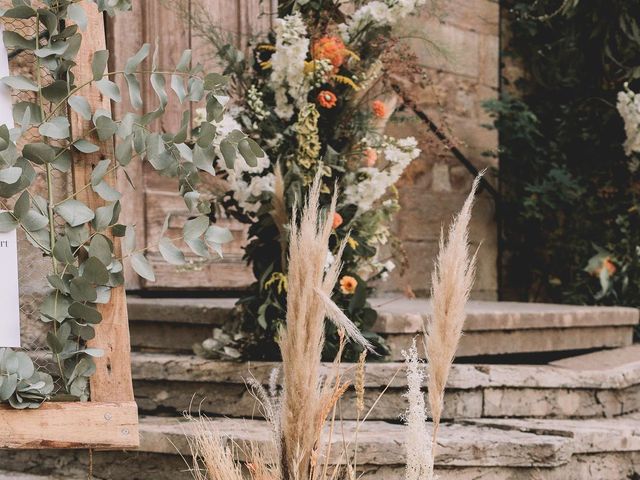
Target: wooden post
{"type": "Point", "coordinates": [112, 381]}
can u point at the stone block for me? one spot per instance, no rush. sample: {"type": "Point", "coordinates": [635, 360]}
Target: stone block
{"type": "Point", "coordinates": [482, 16]}
{"type": "Point", "coordinates": [457, 48]}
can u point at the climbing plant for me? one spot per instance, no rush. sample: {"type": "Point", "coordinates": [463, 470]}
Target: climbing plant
{"type": "Point", "coordinates": [570, 213]}
{"type": "Point", "coordinates": [82, 242]}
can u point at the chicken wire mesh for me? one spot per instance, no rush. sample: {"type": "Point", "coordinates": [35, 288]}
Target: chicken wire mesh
{"type": "Point", "coordinates": [33, 266]}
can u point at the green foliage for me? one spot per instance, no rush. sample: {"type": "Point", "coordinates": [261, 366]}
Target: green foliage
{"type": "Point", "coordinates": [571, 203]}
{"type": "Point", "coordinates": [85, 265]}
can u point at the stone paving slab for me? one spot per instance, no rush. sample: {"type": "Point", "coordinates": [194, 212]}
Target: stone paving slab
{"type": "Point", "coordinates": [492, 328]}
{"type": "Point", "coordinates": [174, 383]}
{"type": "Point", "coordinates": [171, 367]}
{"type": "Point", "coordinates": [620, 434]}
{"type": "Point", "coordinates": [401, 315]}
{"type": "Point", "coordinates": [4, 475]}
{"type": "Point", "coordinates": [602, 360]}
{"type": "Point", "coordinates": [381, 443]}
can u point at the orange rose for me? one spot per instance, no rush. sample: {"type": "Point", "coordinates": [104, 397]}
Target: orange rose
{"type": "Point", "coordinates": [337, 220]}
{"type": "Point", "coordinates": [348, 285]}
{"type": "Point", "coordinates": [379, 110]}
{"type": "Point", "coordinates": [327, 99]}
{"type": "Point", "coordinates": [370, 157]}
{"type": "Point", "coordinates": [330, 48]}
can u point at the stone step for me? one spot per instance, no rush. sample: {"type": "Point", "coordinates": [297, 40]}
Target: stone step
{"type": "Point", "coordinates": [4, 475]}
{"type": "Point", "coordinates": [492, 328]}
{"type": "Point", "coordinates": [175, 383]}
{"type": "Point", "coordinates": [604, 449]}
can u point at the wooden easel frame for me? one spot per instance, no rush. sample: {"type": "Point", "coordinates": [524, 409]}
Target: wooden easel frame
{"type": "Point", "coordinates": [110, 419]}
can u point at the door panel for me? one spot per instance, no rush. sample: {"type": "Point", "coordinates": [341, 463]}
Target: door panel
{"type": "Point", "coordinates": [153, 199]}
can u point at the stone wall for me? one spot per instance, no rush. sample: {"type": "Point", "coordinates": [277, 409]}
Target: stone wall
{"type": "Point", "coordinates": [462, 72]}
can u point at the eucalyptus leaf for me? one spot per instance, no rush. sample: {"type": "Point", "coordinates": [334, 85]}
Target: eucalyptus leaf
{"type": "Point", "coordinates": [142, 267]}
{"type": "Point", "coordinates": [82, 290]}
{"type": "Point", "coordinates": [77, 14]}
{"type": "Point", "coordinates": [10, 175]}
{"type": "Point", "coordinates": [39, 153]}
{"type": "Point", "coordinates": [109, 89]}
{"type": "Point", "coordinates": [170, 252]}
{"type": "Point", "coordinates": [218, 235]}
{"type": "Point", "coordinates": [195, 227]}
{"type": "Point", "coordinates": [19, 82]}
{"type": "Point", "coordinates": [7, 222]}
{"type": "Point", "coordinates": [101, 248]}
{"type": "Point", "coordinates": [85, 146]}
{"type": "Point", "coordinates": [81, 105]}
{"type": "Point", "coordinates": [56, 128]}
{"type": "Point", "coordinates": [99, 63]}
{"type": "Point", "coordinates": [74, 212]}
{"type": "Point", "coordinates": [136, 59]}
{"type": "Point", "coordinates": [228, 152]}
{"type": "Point", "coordinates": [95, 271]}
{"type": "Point", "coordinates": [177, 85]}
{"type": "Point", "coordinates": [85, 312]}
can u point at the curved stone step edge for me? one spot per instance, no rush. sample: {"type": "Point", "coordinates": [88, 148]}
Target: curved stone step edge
{"type": "Point", "coordinates": [400, 315]}
{"type": "Point", "coordinates": [173, 367]}
{"type": "Point", "coordinates": [381, 443]}
{"type": "Point", "coordinates": [403, 315]}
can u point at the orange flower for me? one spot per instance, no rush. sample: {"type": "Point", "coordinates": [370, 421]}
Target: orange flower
{"type": "Point", "coordinates": [348, 285]}
{"type": "Point", "coordinates": [330, 48]}
{"type": "Point", "coordinates": [337, 220]}
{"type": "Point", "coordinates": [608, 265]}
{"type": "Point", "coordinates": [327, 99]}
{"type": "Point", "coordinates": [370, 157]}
{"type": "Point", "coordinates": [379, 110]}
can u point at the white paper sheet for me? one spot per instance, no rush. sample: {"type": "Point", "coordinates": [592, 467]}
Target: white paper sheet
{"type": "Point", "coordinates": [6, 114]}
{"type": "Point", "coordinates": [9, 296]}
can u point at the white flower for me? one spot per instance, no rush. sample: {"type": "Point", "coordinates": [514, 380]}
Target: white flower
{"type": "Point", "coordinates": [329, 260]}
{"type": "Point", "coordinates": [287, 63]}
{"type": "Point", "coordinates": [380, 13]}
{"type": "Point", "coordinates": [629, 108]}
{"type": "Point", "coordinates": [398, 154]}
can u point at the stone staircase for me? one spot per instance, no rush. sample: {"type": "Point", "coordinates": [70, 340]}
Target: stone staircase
{"type": "Point", "coordinates": [573, 414]}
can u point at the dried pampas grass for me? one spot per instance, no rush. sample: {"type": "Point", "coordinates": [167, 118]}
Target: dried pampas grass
{"type": "Point", "coordinates": [307, 400]}
{"type": "Point", "coordinates": [213, 459]}
{"type": "Point", "coordinates": [451, 281]}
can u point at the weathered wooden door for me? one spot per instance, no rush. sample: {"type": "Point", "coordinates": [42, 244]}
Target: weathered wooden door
{"type": "Point", "coordinates": [148, 206]}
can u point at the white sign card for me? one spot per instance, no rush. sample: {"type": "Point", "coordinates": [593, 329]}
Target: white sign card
{"type": "Point", "coordinates": [9, 297]}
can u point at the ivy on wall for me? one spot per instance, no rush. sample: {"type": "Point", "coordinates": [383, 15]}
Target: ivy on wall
{"type": "Point", "coordinates": [571, 199]}
{"type": "Point", "coordinates": [85, 264]}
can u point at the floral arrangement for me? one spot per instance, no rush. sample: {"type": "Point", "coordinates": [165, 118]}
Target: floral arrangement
{"type": "Point", "coordinates": [317, 93]}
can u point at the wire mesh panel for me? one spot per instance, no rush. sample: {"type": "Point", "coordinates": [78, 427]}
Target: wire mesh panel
{"type": "Point", "coordinates": [33, 267]}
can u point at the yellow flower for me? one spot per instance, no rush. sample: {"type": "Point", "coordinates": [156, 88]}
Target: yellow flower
{"type": "Point", "coordinates": [348, 285]}
{"type": "Point", "coordinates": [279, 278]}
